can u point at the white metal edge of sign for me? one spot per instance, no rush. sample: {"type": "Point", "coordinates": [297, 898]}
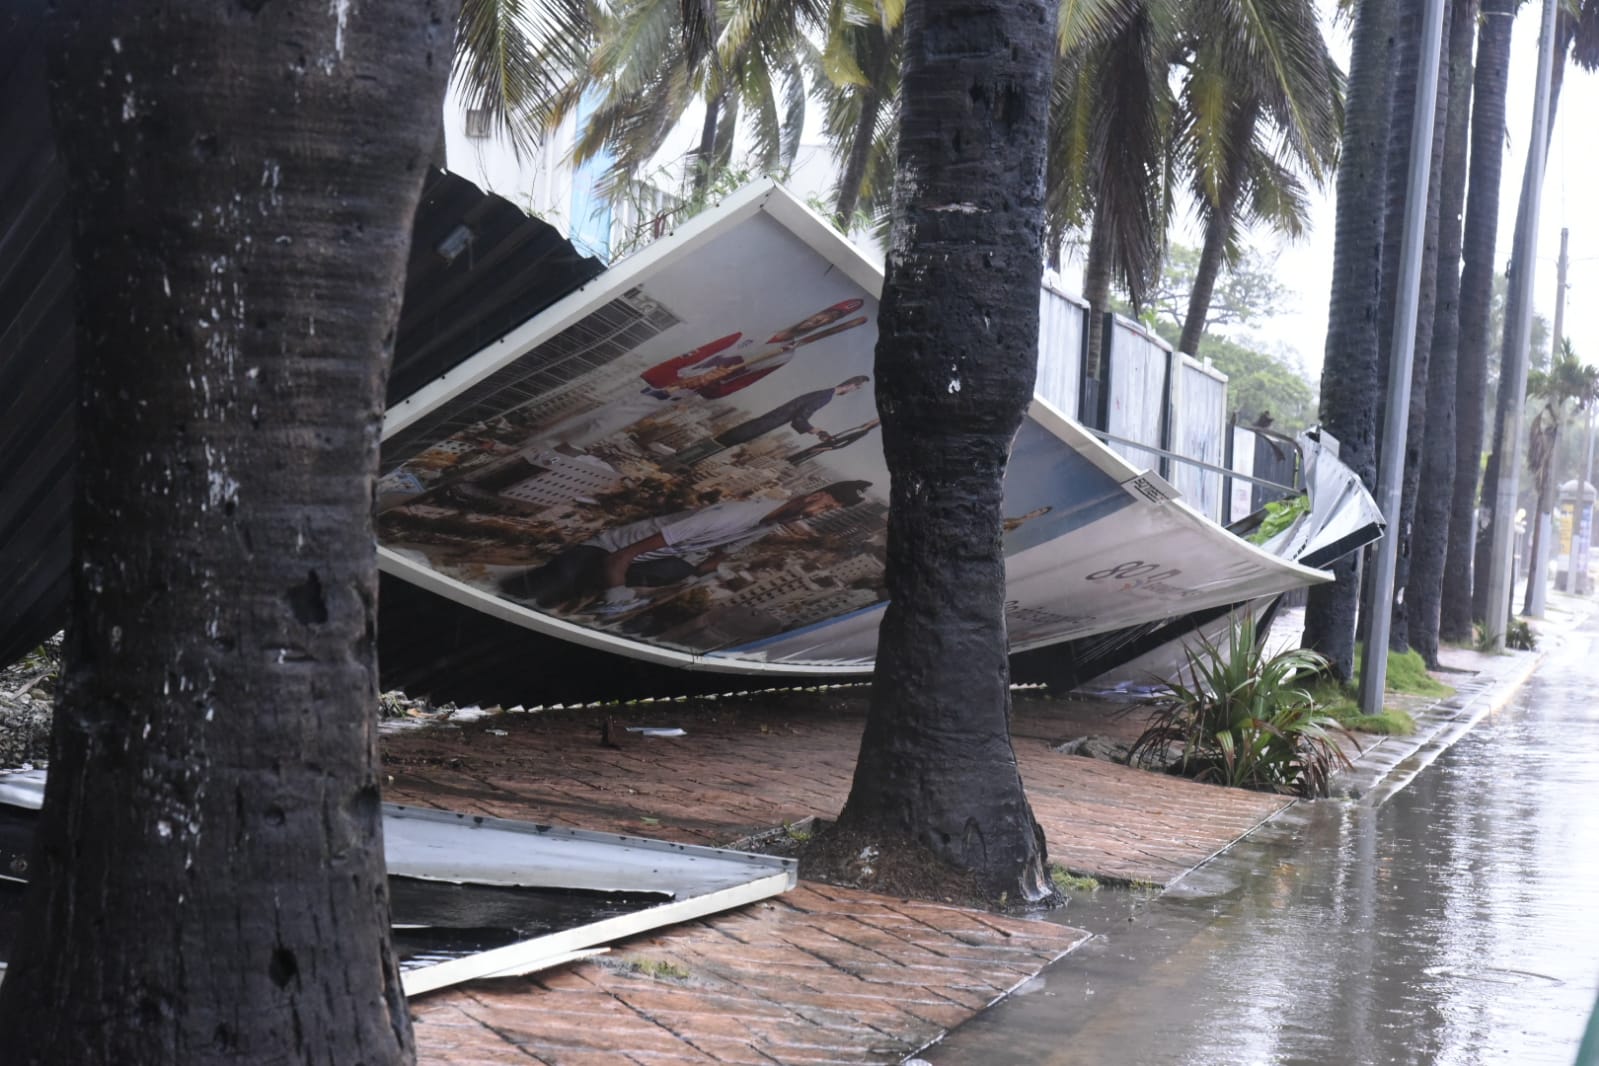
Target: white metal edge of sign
{"type": "Point", "coordinates": [538, 830]}
{"type": "Point", "coordinates": [555, 948]}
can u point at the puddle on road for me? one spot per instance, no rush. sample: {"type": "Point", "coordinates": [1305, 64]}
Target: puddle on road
{"type": "Point", "coordinates": [1453, 923]}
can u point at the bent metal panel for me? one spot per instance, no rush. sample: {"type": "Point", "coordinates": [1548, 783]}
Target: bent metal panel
{"type": "Point", "coordinates": [681, 462]}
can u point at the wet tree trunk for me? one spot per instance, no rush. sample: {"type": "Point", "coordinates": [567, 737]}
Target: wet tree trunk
{"type": "Point", "coordinates": [1418, 421]}
{"type": "Point", "coordinates": [1477, 269]}
{"type": "Point", "coordinates": [1429, 543]}
{"type": "Point", "coordinates": [1218, 224]}
{"type": "Point", "coordinates": [211, 882]}
{"type": "Point", "coordinates": [860, 153]}
{"type": "Point", "coordinates": [1097, 273]}
{"type": "Point", "coordinates": [1507, 422]}
{"type": "Point", "coordinates": [1349, 383]}
{"type": "Point", "coordinates": [955, 369]}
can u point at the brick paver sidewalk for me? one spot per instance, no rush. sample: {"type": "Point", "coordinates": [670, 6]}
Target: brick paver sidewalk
{"type": "Point", "coordinates": [821, 974]}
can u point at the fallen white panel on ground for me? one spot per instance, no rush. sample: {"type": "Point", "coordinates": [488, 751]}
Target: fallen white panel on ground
{"type": "Point", "coordinates": [694, 881]}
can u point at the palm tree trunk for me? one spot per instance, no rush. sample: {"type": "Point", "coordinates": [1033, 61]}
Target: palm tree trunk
{"type": "Point", "coordinates": [1509, 370]}
{"type": "Point", "coordinates": [1096, 290]}
{"type": "Point", "coordinates": [1429, 551]}
{"type": "Point", "coordinates": [860, 152]}
{"type": "Point", "coordinates": [210, 880]}
{"type": "Point", "coordinates": [1349, 384]}
{"type": "Point", "coordinates": [956, 360]}
{"type": "Point", "coordinates": [1418, 420]}
{"type": "Point", "coordinates": [1476, 292]}
{"type": "Point", "coordinates": [1218, 224]}
{"type": "Point", "coordinates": [1537, 568]}
{"type": "Point", "coordinates": [705, 154]}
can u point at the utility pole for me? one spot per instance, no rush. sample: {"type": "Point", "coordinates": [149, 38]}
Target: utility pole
{"type": "Point", "coordinates": [1390, 476]}
{"type": "Point", "coordinates": [1538, 569]}
{"type": "Point", "coordinates": [1514, 364]}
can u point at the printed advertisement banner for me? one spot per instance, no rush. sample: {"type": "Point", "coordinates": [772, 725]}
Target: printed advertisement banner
{"type": "Point", "coordinates": [682, 462]}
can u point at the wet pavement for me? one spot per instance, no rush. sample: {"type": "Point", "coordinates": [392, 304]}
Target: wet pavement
{"type": "Point", "coordinates": [1447, 916]}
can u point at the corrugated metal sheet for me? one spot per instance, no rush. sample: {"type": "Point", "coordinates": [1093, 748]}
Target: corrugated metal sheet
{"type": "Point", "coordinates": [432, 646]}
{"type": "Point", "coordinates": [37, 380]}
{"type": "Point", "coordinates": [506, 267]}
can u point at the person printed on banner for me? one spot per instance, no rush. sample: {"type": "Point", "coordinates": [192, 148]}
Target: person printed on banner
{"type": "Point", "coordinates": [796, 414]}
{"type": "Point", "coordinates": [833, 442]}
{"type": "Point", "coordinates": [722, 375]}
{"type": "Point", "coordinates": [656, 553]}
{"type": "Point", "coordinates": [1011, 525]}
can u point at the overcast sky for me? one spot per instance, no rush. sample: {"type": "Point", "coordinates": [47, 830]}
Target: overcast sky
{"type": "Point", "coordinates": [1568, 200]}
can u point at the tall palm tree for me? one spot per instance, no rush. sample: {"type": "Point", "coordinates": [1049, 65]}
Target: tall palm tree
{"type": "Point", "coordinates": [1567, 384]}
{"type": "Point", "coordinates": [1349, 384]}
{"type": "Point", "coordinates": [859, 82]}
{"type": "Point", "coordinates": [1581, 29]}
{"type": "Point", "coordinates": [210, 881]}
{"type": "Point", "coordinates": [1257, 100]}
{"type": "Point", "coordinates": [1435, 492]}
{"type": "Point", "coordinates": [1261, 104]}
{"type": "Point", "coordinates": [1477, 265]}
{"type": "Point", "coordinates": [1421, 420]}
{"type": "Point", "coordinates": [960, 297]}
{"type": "Point", "coordinates": [512, 59]}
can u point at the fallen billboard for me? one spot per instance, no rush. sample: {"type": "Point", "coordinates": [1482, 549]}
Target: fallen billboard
{"type": "Point", "coordinates": [679, 463]}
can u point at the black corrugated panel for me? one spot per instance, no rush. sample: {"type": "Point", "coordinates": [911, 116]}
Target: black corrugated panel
{"type": "Point", "coordinates": [431, 646]}
{"type": "Point", "coordinates": [37, 382]}
{"type": "Point", "coordinates": [502, 269]}
{"type": "Point", "coordinates": [507, 268]}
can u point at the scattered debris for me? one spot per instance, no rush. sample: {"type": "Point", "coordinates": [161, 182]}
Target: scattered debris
{"type": "Point", "coordinates": [1094, 747]}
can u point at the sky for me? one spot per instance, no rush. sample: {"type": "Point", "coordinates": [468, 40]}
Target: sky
{"type": "Point", "coordinates": [1306, 265]}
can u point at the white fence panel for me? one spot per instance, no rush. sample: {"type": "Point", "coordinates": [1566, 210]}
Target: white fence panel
{"type": "Point", "coordinates": [1199, 422]}
{"type": "Point", "coordinates": [1241, 494]}
{"type": "Point", "coordinates": [1062, 320]}
{"type": "Point", "coordinates": [1136, 379]}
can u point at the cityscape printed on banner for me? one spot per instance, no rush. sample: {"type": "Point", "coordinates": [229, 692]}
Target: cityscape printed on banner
{"type": "Point", "coordinates": [732, 491]}
{"type": "Point", "coordinates": [686, 465]}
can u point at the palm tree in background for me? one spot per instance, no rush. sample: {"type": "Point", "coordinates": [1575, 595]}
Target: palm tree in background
{"type": "Point", "coordinates": [1566, 385]}
{"type": "Point", "coordinates": [1256, 103]}
{"type": "Point", "coordinates": [1260, 106]}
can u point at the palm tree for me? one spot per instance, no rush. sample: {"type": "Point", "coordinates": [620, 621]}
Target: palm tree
{"type": "Point", "coordinates": [512, 59]}
{"type": "Point", "coordinates": [1420, 420]}
{"type": "Point", "coordinates": [210, 883]}
{"type": "Point", "coordinates": [1477, 266]}
{"type": "Point", "coordinates": [1567, 382]}
{"type": "Point", "coordinates": [1583, 30]}
{"type": "Point", "coordinates": [956, 359]}
{"type": "Point", "coordinates": [1349, 383]}
{"type": "Point", "coordinates": [1258, 101]}
{"type": "Point", "coordinates": [1429, 541]}
{"type": "Point", "coordinates": [859, 81]}
{"type": "Point", "coordinates": [1110, 128]}
{"type": "Point", "coordinates": [1261, 99]}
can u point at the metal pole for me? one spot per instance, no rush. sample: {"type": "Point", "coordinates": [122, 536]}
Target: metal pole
{"type": "Point", "coordinates": [1390, 479]}
{"type": "Point", "coordinates": [1538, 570]}
{"type": "Point", "coordinates": [1514, 377]}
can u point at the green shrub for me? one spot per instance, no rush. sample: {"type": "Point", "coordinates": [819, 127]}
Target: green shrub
{"type": "Point", "coordinates": [1243, 718]}
{"type": "Point", "coordinates": [1280, 514]}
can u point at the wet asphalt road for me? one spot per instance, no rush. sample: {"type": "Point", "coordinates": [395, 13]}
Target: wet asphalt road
{"type": "Point", "coordinates": [1455, 920]}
